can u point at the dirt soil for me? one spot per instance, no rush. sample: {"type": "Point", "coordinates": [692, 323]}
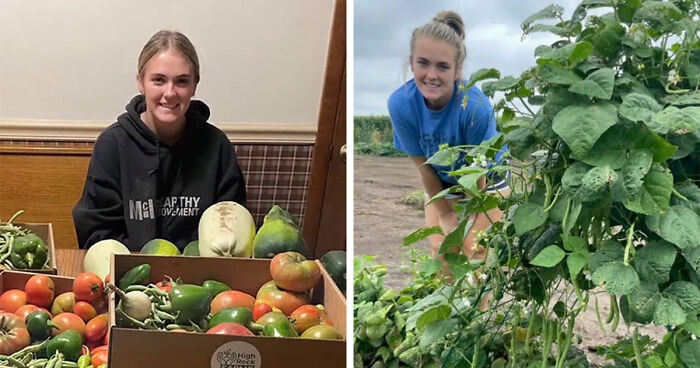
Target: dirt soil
{"type": "Point", "coordinates": [381, 221]}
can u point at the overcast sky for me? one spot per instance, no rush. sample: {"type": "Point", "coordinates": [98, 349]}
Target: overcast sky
{"type": "Point", "coordinates": [382, 31]}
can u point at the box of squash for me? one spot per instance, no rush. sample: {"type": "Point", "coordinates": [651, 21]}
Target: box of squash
{"type": "Point", "coordinates": [32, 247]}
{"type": "Point", "coordinates": [164, 314]}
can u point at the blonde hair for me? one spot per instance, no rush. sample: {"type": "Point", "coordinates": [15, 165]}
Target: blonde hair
{"type": "Point", "coordinates": [446, 26]}
{"type": "Point", "coordinates": [169, 40]}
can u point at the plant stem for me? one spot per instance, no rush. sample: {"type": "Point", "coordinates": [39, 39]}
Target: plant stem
{"type": "Point", "coordinates": [567, 344]}
{"type": "Point", "coordinates": [637, 351]}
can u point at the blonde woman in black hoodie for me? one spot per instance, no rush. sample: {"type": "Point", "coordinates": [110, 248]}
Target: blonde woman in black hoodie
{"type": "Point", "coordinates": [154, 171]}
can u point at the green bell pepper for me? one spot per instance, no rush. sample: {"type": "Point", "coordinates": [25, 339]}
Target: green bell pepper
{"type": "Point", "coordinates": [189, 302]}
{"type": "Point", "coordinates": [215, 287]}
{"type": "Point", "coordinates": [240, 315]}
{"type": "Point", "coordinates": [282, 328]}
{"type": "Point", "coordinates": [68, 342]}
{"type": "Point", "coordinates": [39, 325]}
{"type": "Point", "coordinates": [29, 252]}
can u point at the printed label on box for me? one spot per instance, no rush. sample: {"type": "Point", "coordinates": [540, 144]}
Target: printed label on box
{"type": "Point", "coordinates": [236, 354]}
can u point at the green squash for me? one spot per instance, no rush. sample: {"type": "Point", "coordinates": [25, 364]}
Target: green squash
{"type": "Point", "coordinates": [335, 263]}
{"type": "Point", "coordinates": [279, 233]}
{"type": "Point", "coordinates": [191, 249]}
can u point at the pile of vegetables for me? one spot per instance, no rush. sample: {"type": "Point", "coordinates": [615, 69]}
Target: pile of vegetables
{"type": "Point", "coordinates": [72, 334]}
{"type": "Point", "coordinates": [20, 248]}
{"type": "Point", "coordinates": [281, 307]}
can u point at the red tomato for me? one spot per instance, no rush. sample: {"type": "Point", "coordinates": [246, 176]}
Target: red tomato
{"type": "Point", "coordinates": [13, 334]}
{"type": "Point", "coordinates": [87, 286]}
{"type": "Point", "coordinates": [40, 290]}
{"type": "Point", "coordinates": [307, 316]}
{"type": "Point", "coordinates": [100, 305]}
{"type": "Point", "coordinates": [68, 321]}
{"type": "Point", "coordinates": [293, 272]}
{"type": "Point", "coordinates": [101, 357]}
{"type": "Point", "coordinates": [63, 303]}
{"type": "Point", "coordinates": [164, 285]}
{"type": "Point", "coordinates": [286, 301]}
{"type": "Point", "coordinates": [23, 311]}
{"type": "Point", "coordinates": [98, 349]}
{"type": "Point", "coordinates": [261, 308]}
{"type": "Point", "coordinates": [12, 299]}
{"type": "Point", "coordinates": [84, 310]}
{"type": "Point", "coordinates": [230, 299]}
{"type": "Point", "coordinates": [230, 328]}
{"type": "Point", "coordinates": [96, 328]}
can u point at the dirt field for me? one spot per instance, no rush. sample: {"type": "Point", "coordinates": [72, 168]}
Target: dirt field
{"type": "Point", "coordinates": [381, 221]}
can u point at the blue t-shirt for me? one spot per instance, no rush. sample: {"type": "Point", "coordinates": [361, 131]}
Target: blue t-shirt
{"type": "Point", "coordinates": [419, 131]}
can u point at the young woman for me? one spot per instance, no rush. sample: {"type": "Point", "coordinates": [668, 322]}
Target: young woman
{"type": "Point", "coordinates": [427, 112]}
{"type": "Point", "coordinates": [154, 171]}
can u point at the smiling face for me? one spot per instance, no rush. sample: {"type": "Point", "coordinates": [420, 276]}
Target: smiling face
{"type": "Point", "coordinates": [433, 65]}
{"type": "Point", "coordinates": [168, 85]}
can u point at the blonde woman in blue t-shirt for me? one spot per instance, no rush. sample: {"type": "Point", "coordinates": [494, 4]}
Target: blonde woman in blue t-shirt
{"type": "Point", "coordinates": [427, 111]}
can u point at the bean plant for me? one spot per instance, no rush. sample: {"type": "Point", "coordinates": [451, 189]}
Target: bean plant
{"type": "Point", "coordinates": [603, 147]}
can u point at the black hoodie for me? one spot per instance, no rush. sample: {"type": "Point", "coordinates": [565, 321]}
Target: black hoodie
{"type": "Point", "coordinates": [139, 188]}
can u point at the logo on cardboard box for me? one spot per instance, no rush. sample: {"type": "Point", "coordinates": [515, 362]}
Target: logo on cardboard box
{"type": "Point", "coordinates": [236, 354]}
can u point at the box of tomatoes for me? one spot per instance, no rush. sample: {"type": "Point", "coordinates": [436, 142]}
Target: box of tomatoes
{"type": "Point", "coordinates": [224, 312]}
{"type": "Point", "coordinates": [47, 319]}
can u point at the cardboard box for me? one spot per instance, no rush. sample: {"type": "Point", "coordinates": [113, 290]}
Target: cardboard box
{"type": "Point", "coordinates": [141, 348]}
{"type": "Point", "coordinates": [45, 232]}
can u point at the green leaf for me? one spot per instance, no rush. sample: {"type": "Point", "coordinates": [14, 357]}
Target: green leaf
{"type": "Point", "coordinates": [456, 258]}
{"type": "Point", "coordinates": [443, 157]}
{"type": "Point", "coordinates": [596, 183]}
{"type": "Point", "coordinates": [690, 353]}
{"type": "Point", "coordinates": [610, 149]}
{"type": "Point", "coordinates": [421, 234]}
{"type": "Point", "coordinates": [607, 41]}
{"type": "Point", "coordinates": [644, 138]}
{"type": "Point", "coordinates": [653, 262]}
{"type": "Point", "coordinates": [571, 180]}
{"type": "Point", "coordinates": [575, 262]}
{"type": "Point", "coordinates": [668, 312]}
{"type": "Point", "coordinates": [430, 267]}
{"type": "Point", "coordinates": [654, 196]}
{"type": "Point", "coordinates": [559, 31]}
{"type": "Point", "coordinates": [616, 277]}
{"type": "Point", "coordinates": [557, 75]}
{"type": "Point", "coordinates": [598, 84]}
{"type": "Point", "coordinates": [470, 181]}
{"type": "Point", "coordinates": [549, 257]}
{"type": "Point", "coordinates": [455, 239]}
{"type": "Point", "coordinates": [575, 244]}
{"type": "Point", "coordinates": [559, 54]}
{"type": "Point", "coordinates": [634, 170]}
{"type": "Point", "coordinates": [434, 314]}
{"type": "Point", "coordinates": [639, 107]}
{"type": "Point", "coordinates": [528, 216]}
{"type": "Point", "coordinates": [670, 358]}
{"type": "Point", "coordinates": [580, 52]}
{"type": "Point", "coordinates": [675, 120]}
{"type": "Point", "coordinates": [505, 83]}
{"type": "Point", "coordinates": [460, 270]}
{"type": "Point", "coordinates": [692, 256]}
{"type": "Point", "coordinates": [521, 142]}
{"type": "Point", "coordinates": [580, 127]}
{"type": "Point", "coordinates": [692, 324]}
{"type": "Point", "coordinates": [658, 14]}
{"type": "Point", "coordinates": [611, 251]}
{"type": "Point", "coordinates": [481, 74]}
{"type": "Point", "coordinates": [550, 12]}
{"type": "Point", "coordinates": [643, 300]}
{"type": "Point", "coordinates": [436, 331]}
{"type": "Point", "coordinates": [680, 226]}
{"type": "Point", "coordinates": [686, 99]}
{"type": "Point", "coordinates": [686, 294]}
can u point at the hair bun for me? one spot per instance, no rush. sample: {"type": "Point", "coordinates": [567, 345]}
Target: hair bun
{"type": "Point", "coordinates": [451, 19]}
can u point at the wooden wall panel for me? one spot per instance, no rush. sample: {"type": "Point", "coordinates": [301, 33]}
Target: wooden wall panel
{"type": "Point", "coordinates": [46, 186]}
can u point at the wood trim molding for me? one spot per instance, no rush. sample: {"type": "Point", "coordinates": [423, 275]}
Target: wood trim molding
{"type": "Point", "coordinates": [88, 130]}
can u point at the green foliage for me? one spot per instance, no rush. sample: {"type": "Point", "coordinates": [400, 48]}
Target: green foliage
{"type": "Point", "coordinates": [373, 135]}
{"type": "Point", "coordinates": [605, 194]}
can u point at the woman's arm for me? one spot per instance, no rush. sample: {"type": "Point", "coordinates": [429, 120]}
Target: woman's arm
{"type": "Point", "coordinates": [433, 185]}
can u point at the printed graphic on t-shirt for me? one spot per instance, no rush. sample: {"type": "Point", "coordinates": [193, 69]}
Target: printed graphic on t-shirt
{"type": "Point", "coordinates": [184, 206]}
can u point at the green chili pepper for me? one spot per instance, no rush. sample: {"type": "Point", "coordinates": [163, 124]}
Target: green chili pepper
{"type": "Point", "coordinates": [84, 361]}
{"type": "Point", "coordinates": [139, 275]}
{"type": "Point", "coordinates": [240, 315]}
{"type": "Point", "coordinates": [39, 325]}
{"type": "Point", "coordinates": [189, 302]}
{"type": "Point", "coordinates": [29, 252]}
{"type": "Point", "coordinates": [215, 287]}
{"type": "Point", "coordinates": [282, 328]}
{"type": "Point", "coordinates": [68, 342]}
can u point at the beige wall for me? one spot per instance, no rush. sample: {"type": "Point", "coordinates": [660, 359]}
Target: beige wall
{"type": "Point", "coordinates": [75, 60]}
